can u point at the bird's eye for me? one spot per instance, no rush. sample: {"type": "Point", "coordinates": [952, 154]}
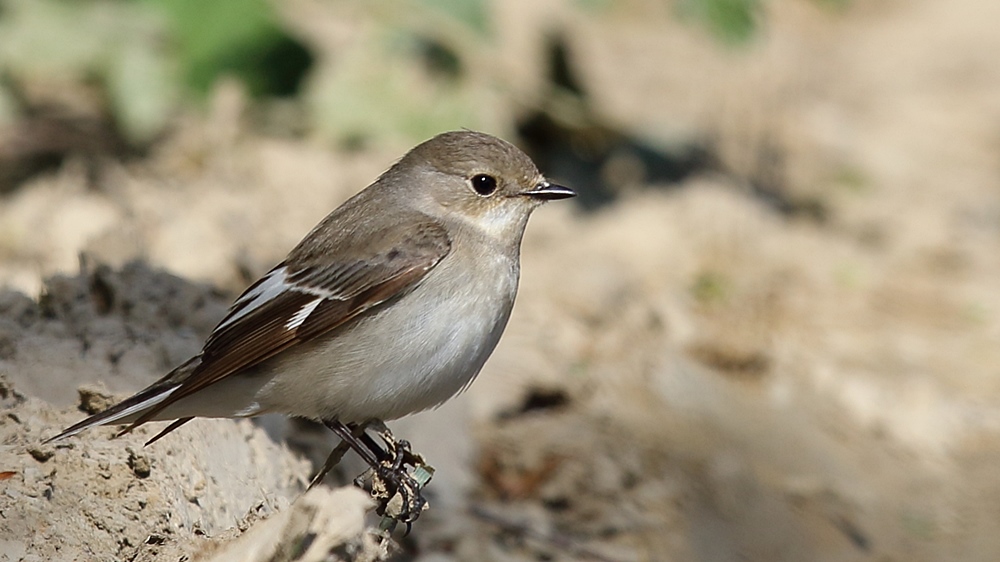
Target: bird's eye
{"type": "Point", "coordinates": [484, 184]}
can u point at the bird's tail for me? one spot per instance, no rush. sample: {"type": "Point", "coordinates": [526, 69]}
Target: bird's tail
{"type": "Point", "coordinates": [124, 411]}
{"type": "Point", "coordinates": [132, 408]}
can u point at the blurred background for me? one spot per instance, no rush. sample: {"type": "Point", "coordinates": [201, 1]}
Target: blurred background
{"type": "Point", "coordinates": [768, 329]}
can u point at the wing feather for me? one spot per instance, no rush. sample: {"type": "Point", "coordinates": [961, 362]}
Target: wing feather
{"type": "Point", "coordinates": [281, 310]}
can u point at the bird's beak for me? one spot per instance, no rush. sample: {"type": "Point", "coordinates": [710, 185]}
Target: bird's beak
{"type": "Point", "coordinates": [549, 191]}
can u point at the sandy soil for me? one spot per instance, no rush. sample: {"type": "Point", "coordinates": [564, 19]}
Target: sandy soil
{"type": "Point", "coordinates": [689, 374]}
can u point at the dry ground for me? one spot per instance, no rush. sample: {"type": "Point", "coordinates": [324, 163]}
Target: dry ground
{"type": "Point", "coordinates": [688, 374]}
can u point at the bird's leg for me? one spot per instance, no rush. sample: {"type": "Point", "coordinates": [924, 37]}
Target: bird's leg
{"type": "Point", "coordinates": [399, 450]}
{"type": "Point", "coordinates": [389, 474]}
{"type": "Point", "coordinates": [346, 434]}
{"type": "Point", "coordinates": [395, 479]}
{"type": "Point", "coordinates": [357, 430]}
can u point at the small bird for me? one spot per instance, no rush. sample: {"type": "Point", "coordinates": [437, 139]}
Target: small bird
{"type": "Point", "coordinates": [390, 306]}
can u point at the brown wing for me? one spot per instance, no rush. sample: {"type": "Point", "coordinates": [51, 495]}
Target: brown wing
{"type": "Point", "coordinates": [318, 288]}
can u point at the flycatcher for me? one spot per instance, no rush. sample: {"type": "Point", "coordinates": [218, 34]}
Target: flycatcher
{"type": "Point", "coordinates": [390, 306]}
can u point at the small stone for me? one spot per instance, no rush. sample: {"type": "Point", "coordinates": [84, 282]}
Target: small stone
{"type": "Point", "coordinates": [7, 391]}
{"type": "Point", "coordinates": [41, 454]}
{"type": "Point", "coordinates": [139, 463]}
{"type": "Point", "coordinates": [94, 399]}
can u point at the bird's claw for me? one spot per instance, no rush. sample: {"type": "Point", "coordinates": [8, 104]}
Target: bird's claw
{"type": "Point", "coordinates": [392, 479]}
{"type": "Point", "coordinates": [390, 476]}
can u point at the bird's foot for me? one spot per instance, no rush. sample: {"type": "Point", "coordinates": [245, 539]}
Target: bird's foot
{"type": "Point", "coordinates": [398, 480]}
{"type": "Point", "coordinates": [398, 494]}
{"type": "Point", "coordinates": [397, 473]}
{"type": "Point", "coordinates": [396, 451]}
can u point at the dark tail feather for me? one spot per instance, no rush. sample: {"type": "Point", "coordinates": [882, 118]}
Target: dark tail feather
{"type": "Point", "coordinates": [169, 428]}
{"type": "Point", "coordinates": [135, 405]}
{"type": "Point", "coordinates": [132, 409]}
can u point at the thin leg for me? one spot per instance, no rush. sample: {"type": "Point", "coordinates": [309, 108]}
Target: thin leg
{"type": "Point", "coordinates": [337, 454]}
{"type": "Point", "coordinates": [398, 450]}
{"type": "Point", "coordinates": [389, 475]}
{"type": "Point", "coordinates": [382, 454]}
{"type": "Point", "coordinates": [347, 435]}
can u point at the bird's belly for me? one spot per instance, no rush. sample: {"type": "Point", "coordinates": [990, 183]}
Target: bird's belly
{"type": "Point", "coordinates": [409, 356]}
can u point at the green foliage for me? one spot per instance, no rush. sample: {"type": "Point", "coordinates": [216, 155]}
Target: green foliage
{"type": "Point", "coordinates": [731, 21]}
{"type": "Point", "coordinates": [115, 45]}
{"type": "Point", "coordinates": [852, 179]}
{"type": "Point", "coordinates": [237, 37]}
{"type": "Point", "coordinates": [384, 88]}
{"type": "Point", "coordinates": [595, 5]}
{"type": "Point", "coordinates": [409, 67]}
{"type": "Point", "coordinates": [417, 67]}
{"type": "Point", "coordinates": [710, 287]}
{"type": "Point", "coordinates": [734, 22]}
{"type": "Point", "coordinates": [834, 5]}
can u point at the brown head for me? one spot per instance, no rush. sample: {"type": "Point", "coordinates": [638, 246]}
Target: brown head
{"type": "Point", "coordinates": [477, 178]}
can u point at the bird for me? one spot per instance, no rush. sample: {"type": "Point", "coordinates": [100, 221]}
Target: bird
{"type": "Point", "coordinates": [391, 305]}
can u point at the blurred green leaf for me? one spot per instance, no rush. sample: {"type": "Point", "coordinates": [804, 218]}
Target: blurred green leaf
{"type": "Point", "coordinates": [412, 69]}
{"type": "Point", "coordinates": [116, 45]}
{"type": "Point", "coordinates": [711, 287]}
{"type": "Point", "coordinates": [141, 91]}
{"type": "Point", "coordinates": [44, 37]}
{"type": "Point", "coordinates": [595, 5]}
{"type": "Point", "coordinates": [237, 37]}
{"type": "Point", "coordinates": [378, 89]}
{"type": "Point", "coordinates": [732, 21]}
{"type": "Point", "coordinates": [834, 5]}
{"type": "Point", "coordinates": [852, 178]}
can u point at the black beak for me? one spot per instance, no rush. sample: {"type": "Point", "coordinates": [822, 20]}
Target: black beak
{"type": "Point", "coordinates": [550, 192]}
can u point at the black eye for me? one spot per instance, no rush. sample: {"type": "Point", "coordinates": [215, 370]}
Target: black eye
{"type": "Point", "coordinates": [484, 184]}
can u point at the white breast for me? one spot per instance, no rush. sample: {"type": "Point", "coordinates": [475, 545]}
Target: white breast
{"type": "Point", "coordinates": [410, 355]}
